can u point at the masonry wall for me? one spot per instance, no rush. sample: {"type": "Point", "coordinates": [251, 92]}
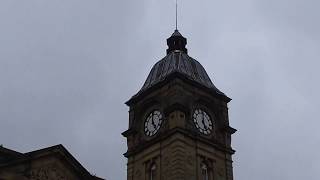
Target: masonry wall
{"type": "Point", "coordinates": [44, 168]}
{"type": "Point", "coordinates": [179, 158]}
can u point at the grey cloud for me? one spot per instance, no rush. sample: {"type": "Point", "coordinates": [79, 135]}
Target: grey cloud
{"type": "Point", "coordinates": [67, 67]}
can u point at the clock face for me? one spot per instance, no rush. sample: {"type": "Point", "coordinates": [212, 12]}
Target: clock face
{"type": "Point", "coordinates": [153, 123]}
{"type": "Point", "coordinates": [202, 121]}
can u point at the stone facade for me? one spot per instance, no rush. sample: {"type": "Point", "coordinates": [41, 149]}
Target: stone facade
{"type": "Point", "coordinates": [53, 163]}
{"type": "Point", "coordinates": [40, 169]}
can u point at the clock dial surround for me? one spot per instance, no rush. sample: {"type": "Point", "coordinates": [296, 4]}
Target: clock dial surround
{"type": "Point", "coordinates": [202, 121]}
{"type": "Point", "coordinates": [153, 123]}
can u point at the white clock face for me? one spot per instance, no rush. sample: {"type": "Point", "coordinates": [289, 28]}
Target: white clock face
{"type": "Point", "coordinates": [153, 123]}
{"type": "Point", "coordinates": [202, 121]}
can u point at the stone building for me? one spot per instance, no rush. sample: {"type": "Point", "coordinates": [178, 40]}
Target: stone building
{"type": "Point", "coordinates": [178, 122]}
{"type": "Point", "coordinates": [178, 130]}
{"type": "Point", "coordinates": [52, 163]}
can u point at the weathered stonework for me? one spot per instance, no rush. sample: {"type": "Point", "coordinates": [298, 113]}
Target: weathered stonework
{"type": "Point", "coordinates": [47, 173]}
{"type": "Point", "coordinates": [52, 163]}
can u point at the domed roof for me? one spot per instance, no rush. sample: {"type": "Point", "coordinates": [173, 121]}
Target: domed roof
{"type": "Point", "coordinates": [179, 62]}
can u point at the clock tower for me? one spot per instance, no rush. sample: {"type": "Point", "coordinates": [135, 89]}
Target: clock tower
{"type": "Point", "coordinates": [178, 122]}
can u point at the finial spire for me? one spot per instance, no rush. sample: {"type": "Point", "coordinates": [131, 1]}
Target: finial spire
{"type": "Point", "coordinates": [176, 14]}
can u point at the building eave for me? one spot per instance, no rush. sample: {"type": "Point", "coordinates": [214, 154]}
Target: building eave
{"type": "Point", "coordinates": [169, 78]}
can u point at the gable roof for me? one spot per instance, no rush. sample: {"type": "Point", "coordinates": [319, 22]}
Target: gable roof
{"type": "Point", "coordinates": [59, 151]}
{"type": "Point", "coordinates": [7, 155]}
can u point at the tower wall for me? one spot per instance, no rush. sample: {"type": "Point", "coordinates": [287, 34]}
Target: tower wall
{"type": "Point", "coordinates": [179, 157]}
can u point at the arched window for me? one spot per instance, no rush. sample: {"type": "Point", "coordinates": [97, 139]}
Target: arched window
{"type": "Point", "coordinates": [204, 172]}
{"type": "Point", "coordinates": [152, 172]}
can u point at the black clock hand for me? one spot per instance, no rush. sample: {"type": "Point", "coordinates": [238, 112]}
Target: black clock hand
{"type": "Point", "coordinates": [152, 122]}
{"type": "Point", "coordinates": [204, 125]}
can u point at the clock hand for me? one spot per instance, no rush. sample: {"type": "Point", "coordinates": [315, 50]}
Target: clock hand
{"type": "Point", "coordinates": [204, 125]}
{"type": "Point", "coordinates": [154, 125]}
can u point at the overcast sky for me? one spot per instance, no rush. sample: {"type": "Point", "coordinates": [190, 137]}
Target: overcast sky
{"type": "Point", "coordinates": [68, 66]}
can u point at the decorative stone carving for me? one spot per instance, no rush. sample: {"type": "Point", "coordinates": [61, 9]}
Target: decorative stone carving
{"type": "Point", "coordinates": [47, 173]}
